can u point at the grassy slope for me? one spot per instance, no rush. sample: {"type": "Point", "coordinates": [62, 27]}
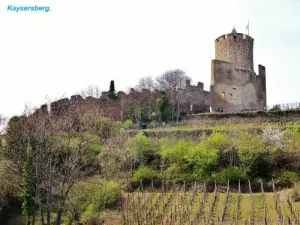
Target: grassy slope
{"type": "Point", "coordinates": [225, 126]}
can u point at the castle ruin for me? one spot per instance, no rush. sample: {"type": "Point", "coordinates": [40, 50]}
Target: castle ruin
{"type": "Point", "coordinates": [234, 87]}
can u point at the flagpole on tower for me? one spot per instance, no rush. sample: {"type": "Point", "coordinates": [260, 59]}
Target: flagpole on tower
{"type": "Point", "coordinates": [247, 28]}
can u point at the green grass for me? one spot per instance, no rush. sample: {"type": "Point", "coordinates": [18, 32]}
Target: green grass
{"type": "Point", "coordinates": [225, 126]}
{"type": "Point", "coordinates": [270, 204]}
{"type": "Point", "coordinates": [207, 204]}
{"type": "Point", "coordinates": [285, 208]}
{"type": "Point", "coordinates": [245, 206]}
{"type": "Point", "coordinates": [196, 204]}
{"type": "Point", "coordinates": [230, 213]}
{"type": "Point", "coordinates": [297, 205]}
{"type": "Point", "coordinates": [219, 206]}
{"type": "Point", "coordinates": [258, 206]}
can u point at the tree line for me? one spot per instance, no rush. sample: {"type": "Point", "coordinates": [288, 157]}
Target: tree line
{"type": "Point", "coordinates": [167, 97]}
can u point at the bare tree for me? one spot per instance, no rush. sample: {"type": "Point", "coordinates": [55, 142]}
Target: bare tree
{"type": "Point", "coordinates": [92, 90]}
{"type": "Point", "coordinates": [10, 181]}
{"type": "Point", "coordinates": [3, 122]}
{"type": "Point", "coordinates": [171, 81]}
{"type": "Point", "coordinates": [55, 155]}
{"type": "Point", "coordinates": [146, 83]}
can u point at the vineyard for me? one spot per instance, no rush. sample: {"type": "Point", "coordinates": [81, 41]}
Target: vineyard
{"type": "Point", "coordinates": [197, 205]}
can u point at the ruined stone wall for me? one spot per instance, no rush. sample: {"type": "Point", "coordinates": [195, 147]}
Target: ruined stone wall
{"type": "Point", "coordinates": [235, 89]}
{"type": "Point", "coordinates": [236, 48]}
{"type": "Point", "coordinates": [118, 109]}
{"type": "Point", "coordinates": [114, 109]}
{"type": "Point", "coordinates": [195, 95]}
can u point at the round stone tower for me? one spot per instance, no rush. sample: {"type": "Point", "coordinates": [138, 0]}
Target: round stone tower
{"type": "Point", "coordinates": [236, 48]}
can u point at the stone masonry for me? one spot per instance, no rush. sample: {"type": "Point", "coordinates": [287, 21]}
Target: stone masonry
{"type": "Point", "coordinates": [234, 84]}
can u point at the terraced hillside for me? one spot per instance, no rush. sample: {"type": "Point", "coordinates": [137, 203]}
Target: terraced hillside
{"type": "Point", "coordinates": [194, 128]}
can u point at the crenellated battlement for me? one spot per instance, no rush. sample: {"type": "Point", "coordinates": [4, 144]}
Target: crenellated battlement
{"type": "Point", "coordinates": [234, 37]}
{"type": "Point", "coordinates": [193, 88]}
{"type": "Point", "coordinates": [114, 108]}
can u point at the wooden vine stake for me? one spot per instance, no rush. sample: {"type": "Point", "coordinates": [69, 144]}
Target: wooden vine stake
{"type": "Point", "coordinates": [237, 207]}
{"type": "Point", "coordinates": [277, 202]}
{"type": "Point", "coordinates": [251, 202]}
{"type": "Point", "coordinates": [264, 202]}
{"type": "Point", "coordinates": [225, 204]}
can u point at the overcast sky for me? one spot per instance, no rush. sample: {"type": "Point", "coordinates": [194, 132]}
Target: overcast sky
{"type": "Point", "coordinates": [90, 42]}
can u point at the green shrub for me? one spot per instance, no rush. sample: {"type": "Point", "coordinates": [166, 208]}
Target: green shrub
{"type": "Point", "coordinates": [173, 171]}
{"type": "Point", "coordinates": [102, 127]}
{"type": "Point", "coordinates": [126, 124]}
{"type": "Point", "coordinates": [142, 150]}
{"type": "Point", "coordinates": [95, 148]}
{"type": "Point", "coordinates": [290, 175]}
{"type": "Point", "coordinates": [185, 177]}
{"type": "Point", "coordinates": [287, 178]}
{"type": "Point", "coordinates": [229, 157]}
{"type": "Point", "coordinates": [92, 196]}
{"type": "Point", "coordinates": [248, 145]}
{"type": "Point", "coordinates": [295, 192]}
{"type": "Point", "coordinates": [219, 141]}
{"type": "Point", "coordinates": [106, 196]}
{"type": "Point", "coordinates": [231, 173]}
{"type": "Point", "coordinates": [174, 152]}
{"type": "Point", "coordinates": [145, 173]}
{"type": "Point", "coordinates": [88, 210]}
{"type": "Point", "coordinates": [275, 108]}
{"type": "Point", "coordinates": [202, 159]}
{"type": "Point", "coordinates": [260, 166]}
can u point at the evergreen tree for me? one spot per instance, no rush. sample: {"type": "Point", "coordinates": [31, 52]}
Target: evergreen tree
{"type": "Point", "coordinates": [131, 115]}
{"type": "Point", "coordinates": [28, 189]}
{"type": "Point", "coordinates": [112, 87]}
{"type": "Point", "coordinates": [163, 106]}
{"type": "Point", "coordinates": [112, 92]}
{"type": "Point", "coordinates": [143, 118]}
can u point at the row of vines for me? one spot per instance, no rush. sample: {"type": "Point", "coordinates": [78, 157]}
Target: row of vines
{"type": "Point", "coordinates": [179, 205]}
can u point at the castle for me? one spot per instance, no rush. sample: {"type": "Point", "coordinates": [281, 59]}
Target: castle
{"type": "Point", "coordinates": [234, 87]}
{"type": "Point", "coordinates": [234, 84]}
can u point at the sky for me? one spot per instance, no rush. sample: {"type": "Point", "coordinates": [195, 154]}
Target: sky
{"type": "Point", "coordinates": [90, 42]}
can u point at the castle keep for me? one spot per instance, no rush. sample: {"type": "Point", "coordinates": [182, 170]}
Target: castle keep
{"type": "Point", "coordinates": [234, 87]}
{"type": "Point", "coordinates": [234, 84]}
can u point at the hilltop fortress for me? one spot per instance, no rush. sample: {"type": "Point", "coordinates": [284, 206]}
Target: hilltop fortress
{"type": "Point", "coordinates": [234, 87]}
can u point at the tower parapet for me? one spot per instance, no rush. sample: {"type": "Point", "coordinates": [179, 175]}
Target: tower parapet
{"type": "Point", "coordinates": [236, 48]}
